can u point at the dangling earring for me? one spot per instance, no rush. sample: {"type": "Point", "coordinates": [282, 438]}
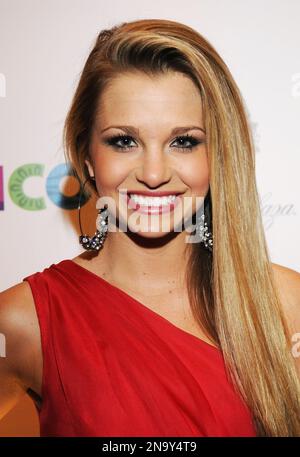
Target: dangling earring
{"type": "Point", "coordinates": [203, 230]}
{"type": "Point", "coordinates": [203, 225]}
{"type": "Point", "coordinates": [96, 242]}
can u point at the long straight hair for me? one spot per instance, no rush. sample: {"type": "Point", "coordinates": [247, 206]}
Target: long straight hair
{"type": "Point", "coordinates": [232, 291]}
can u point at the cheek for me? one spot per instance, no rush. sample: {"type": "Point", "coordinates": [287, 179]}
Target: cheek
{"type": "Point", "coordinates": [195, 174]}
{"type": "Point", "coordinates": [110, 172]}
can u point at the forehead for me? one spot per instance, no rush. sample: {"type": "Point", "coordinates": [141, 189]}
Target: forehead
{"type": "Point", "coordinates": [138, 95]}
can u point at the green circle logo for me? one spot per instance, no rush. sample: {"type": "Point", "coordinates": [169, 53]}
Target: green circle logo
{"type": "Point", "coordinates": [15, 187]}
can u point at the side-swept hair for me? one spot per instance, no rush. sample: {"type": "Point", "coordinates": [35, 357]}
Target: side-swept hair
{"type": "Point", "coordinates": [232, 292]}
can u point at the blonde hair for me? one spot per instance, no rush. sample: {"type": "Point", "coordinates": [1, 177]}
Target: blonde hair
{"type": "Point", "coordinates": [232, 291]}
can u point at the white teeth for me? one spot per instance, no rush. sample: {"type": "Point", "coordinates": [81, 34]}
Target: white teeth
{"type": "Point", "coordinates": [153, 201]}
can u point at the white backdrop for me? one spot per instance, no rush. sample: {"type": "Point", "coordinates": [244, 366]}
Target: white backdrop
{"type": "Point", "coordinates": [43, 47]}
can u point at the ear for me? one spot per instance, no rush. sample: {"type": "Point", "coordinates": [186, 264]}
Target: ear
{"type": "Point", "coordinates": [90, 167]}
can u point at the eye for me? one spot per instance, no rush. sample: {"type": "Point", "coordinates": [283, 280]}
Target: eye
{"type": "Point", "coordinates": [115, 139]}
{"type": "Point", "coordinates": [126, 139]}
{"type": "Point", "coordinates": [190, 139]}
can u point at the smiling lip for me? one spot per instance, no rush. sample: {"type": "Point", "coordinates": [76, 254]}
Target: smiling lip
{"type": "Point", "coordinates": [152, 194]}
{"type": "Point", "coordinates": [145, 209]}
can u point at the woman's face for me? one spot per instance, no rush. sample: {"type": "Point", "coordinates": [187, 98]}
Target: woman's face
{"type": "Point", "coordinates": [148, 154]}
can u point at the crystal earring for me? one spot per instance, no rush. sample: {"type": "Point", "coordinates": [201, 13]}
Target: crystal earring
{"type": "Point", "coordinates": [203, 224]}
{"type": "Point", "coordinates": [206, 236]}
{"type": "Point", "coordinates": [96, 242]}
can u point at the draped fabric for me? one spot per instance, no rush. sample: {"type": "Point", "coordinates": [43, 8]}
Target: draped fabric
{"type": "Point", "coordinates": [114, 367]}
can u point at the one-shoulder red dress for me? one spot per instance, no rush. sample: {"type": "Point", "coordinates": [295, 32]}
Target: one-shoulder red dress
{"type": "Point", "coordinates": [114, 367]}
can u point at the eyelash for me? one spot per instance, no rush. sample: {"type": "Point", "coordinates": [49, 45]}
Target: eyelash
{"type": "Point", "coordinates": [112, 141]}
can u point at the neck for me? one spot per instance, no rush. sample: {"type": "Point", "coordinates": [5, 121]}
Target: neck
{"type": "Point", "coordinates": [155, 263]}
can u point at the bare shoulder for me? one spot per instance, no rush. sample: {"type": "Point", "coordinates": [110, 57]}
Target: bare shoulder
{"type": "Point", "coordinates": [287, 274]}
{"type": "Point", "coordinates": [20, 331]}
{"type": "Point", "coordinates": [288, 285]}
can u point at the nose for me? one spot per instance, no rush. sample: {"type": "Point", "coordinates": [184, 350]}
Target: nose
{"type": "Point", "coordinates": [154, 170]}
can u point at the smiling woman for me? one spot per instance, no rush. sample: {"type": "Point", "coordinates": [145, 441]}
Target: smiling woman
{"type": "Point", "coordinates": [161, 75]}
{"type": "Point", "coordinates": [153, 158]}
{"type": "Point", "coordinates": [184, 331]}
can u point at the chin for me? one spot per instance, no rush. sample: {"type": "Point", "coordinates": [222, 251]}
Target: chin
{"type": "Point", "coordinates": [152, 235]}
{"type": "Point", "coordinates": [145, 233]}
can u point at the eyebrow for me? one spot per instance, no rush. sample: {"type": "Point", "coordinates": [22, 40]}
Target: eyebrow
{"type": "Point", "coordinates": [175, 131]}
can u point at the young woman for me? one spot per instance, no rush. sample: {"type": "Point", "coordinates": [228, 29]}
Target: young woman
{"type": "Point", "coordinates": [150, 332]}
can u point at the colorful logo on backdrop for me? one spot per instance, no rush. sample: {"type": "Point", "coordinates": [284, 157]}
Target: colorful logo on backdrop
{"type": "Point", "coordinates": [270, 211]}
{"type": "Point", "coordinates": [53, 190]}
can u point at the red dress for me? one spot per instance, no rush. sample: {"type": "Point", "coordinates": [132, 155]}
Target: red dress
{"type": "Point", "coordinates": [114, 367]}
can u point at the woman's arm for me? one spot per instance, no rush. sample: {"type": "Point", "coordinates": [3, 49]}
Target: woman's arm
{"type": "Point", "coordinates": [17, 345]}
